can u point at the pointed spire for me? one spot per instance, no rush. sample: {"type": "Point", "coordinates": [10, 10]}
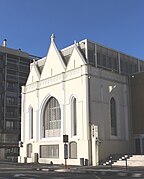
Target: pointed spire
{"type": "Point", "coordinates": [75, 42]}
{"type": "Point", "coordinates": [52, 37]}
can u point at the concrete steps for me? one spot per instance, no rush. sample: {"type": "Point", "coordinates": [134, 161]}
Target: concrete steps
{"type": "Point", "coordinates": [134, 160]}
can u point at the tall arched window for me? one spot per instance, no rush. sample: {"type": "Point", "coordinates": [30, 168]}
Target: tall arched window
{"type": "Point", "coordinates": [29, 150]}
{"type": "Point", "coordinates": [113, 117]}
{"type": "Point", "coordinates": [74, 116]}
{"type": "Point", "coordinates": [73, 150]}
{"type": "Point", "coordinates": [52, 118]}
{"type": "Point", "coordinates": [31, 122]}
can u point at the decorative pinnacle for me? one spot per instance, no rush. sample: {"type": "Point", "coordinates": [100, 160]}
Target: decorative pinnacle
{"type": "Point", "coordinates": [52, 37]}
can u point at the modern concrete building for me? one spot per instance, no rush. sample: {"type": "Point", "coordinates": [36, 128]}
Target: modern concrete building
{"type": "Point", "coordinates": [14, 70]}
{"type": "Point", "coordinates": [83, 91]}
{"type": "Point", "coordinates": [137, 101]}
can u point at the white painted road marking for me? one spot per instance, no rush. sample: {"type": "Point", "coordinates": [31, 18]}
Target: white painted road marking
{"type": "Point", "coordinates": [26, 176]}
{"type": "Point", "coordinates": [98, 177]}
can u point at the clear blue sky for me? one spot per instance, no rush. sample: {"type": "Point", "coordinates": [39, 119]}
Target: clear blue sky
{"type": "Point", "coordinates": [28, 24]}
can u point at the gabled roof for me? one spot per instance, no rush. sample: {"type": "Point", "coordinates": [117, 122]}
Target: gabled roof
{"type": "Point", "coordinates": [40, 64]}
{"type": "Point", "coordinates": [63, 55]}
{"type": "Point", "coordinates": [54, 63]}
{"type": "Point", "coordinates": [34, 74]}
{"type": "Point", "coordinates": [76, 59]}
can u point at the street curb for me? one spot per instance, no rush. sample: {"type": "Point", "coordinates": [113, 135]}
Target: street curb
{"type": "Point", "coordinates": [8, 169]}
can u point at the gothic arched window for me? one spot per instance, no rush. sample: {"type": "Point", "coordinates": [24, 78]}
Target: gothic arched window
{"type": "Point", "coordinates": [52, 118]}
{"type": "Point", "coordinates": [74, 116]}
{"type": "Point", "coordinates": [113, 117]}
{"type": "Point", "coordinates": [31, 122]}
{"type": "Point", "coordinates": [73, 150]}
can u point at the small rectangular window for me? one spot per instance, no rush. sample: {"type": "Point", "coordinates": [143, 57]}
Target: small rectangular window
{"type": "Point", "coordinates": [49, 151]}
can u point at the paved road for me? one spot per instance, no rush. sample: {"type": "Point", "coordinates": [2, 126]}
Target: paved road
{"type": "Point", "coordinates": [53, 175]}
{"type": "Point", "coordinates": [35, 171]}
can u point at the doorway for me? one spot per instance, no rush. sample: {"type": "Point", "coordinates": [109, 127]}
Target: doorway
{"type": "Point", "coordinates": [139, 146]}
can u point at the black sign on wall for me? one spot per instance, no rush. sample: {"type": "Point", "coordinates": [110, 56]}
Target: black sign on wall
{"type": "Point", "coordinates": [65, 138]}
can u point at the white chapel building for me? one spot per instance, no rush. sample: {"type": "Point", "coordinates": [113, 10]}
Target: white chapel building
{"type": "Point", "coordinates": [82, 91]}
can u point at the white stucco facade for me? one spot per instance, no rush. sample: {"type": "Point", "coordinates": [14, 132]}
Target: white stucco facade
{"type": "Point", "coordinates": [92, 89]}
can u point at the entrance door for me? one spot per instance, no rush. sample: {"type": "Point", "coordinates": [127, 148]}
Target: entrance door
{"type": "Point", "coordinates": [137, 146]}
{"type": "Point", "coordinates": [142, 146]}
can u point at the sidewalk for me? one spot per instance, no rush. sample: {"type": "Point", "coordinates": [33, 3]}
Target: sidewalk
{"type": "Point", "coordinates": [6, 165]}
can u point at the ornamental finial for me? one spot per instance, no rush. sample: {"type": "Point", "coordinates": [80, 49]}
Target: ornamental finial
{"type": "Point", "coordinates": [52, 37]}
